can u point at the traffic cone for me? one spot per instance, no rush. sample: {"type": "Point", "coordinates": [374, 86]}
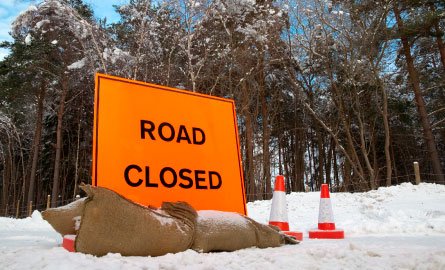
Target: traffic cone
{"type": "Point", "coordinates": [326, 225]}
{"type": "Point", "coordinates": [278, 211]}
{"type": "Point", "coordinates": [69, 242]}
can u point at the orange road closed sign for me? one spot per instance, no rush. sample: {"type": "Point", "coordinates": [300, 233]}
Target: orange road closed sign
{"type": "Point", "coordinates": [153, 144]}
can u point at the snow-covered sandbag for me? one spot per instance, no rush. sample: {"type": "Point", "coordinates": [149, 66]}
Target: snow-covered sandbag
{"type": "Point", "coordinates": [111, 223]}
{"type": "Point", "coordinates": [227, 231]}
{"type": "Point", "coordinates": [63, 219]}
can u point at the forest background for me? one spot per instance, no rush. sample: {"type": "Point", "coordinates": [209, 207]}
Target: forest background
{"type": "Point", "coordinates": [348, 93]}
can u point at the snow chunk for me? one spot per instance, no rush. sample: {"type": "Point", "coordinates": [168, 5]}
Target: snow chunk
{"type": "Point", "coordinates": [221, 218]}
{"type": "Point", "coordinates": [54, 42]}
{"type": "Point", "coordinates": [164, 218]}
{"type": "Point", "coordinates": [77, 221]}
{"type": "Point", "coordinates": [340, 13]}
{"type": "Point", "coordinates": [36, 216]}
{"type": "Point", "coordinates": [77, 65]}
{"type": "Point", "coordinates": [29, 9]}
{"type": "Point", "coordinates": [41, 23]}
{"type": "Point", "coordinates": [28, 39]}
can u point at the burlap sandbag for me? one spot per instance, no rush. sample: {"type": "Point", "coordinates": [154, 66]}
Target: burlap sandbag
{"type": "Point", "coordinates": [63, 219]}
{"type": "Point", "coordinates": [111, 223]}
{"type": "Point", "coordinates": [227, 231]}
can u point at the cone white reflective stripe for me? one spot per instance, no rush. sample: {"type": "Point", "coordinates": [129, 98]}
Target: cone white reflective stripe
{"type": "Point", "coordinates": [325, 214]}
{"type": "Point", "coordinates": [279, 207]}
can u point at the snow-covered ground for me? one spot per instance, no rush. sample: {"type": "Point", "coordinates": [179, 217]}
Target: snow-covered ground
{"type": "Point", "coordinates": [400, 227]}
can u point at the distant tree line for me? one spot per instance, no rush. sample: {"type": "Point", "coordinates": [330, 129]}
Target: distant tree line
{"type": "Point", "coordinates": [348, 93]}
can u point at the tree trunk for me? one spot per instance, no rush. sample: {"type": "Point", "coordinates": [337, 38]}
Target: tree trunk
{"type": "Point", "coordinates": [249, 168]}
{"type": "Point", "coordinates": [387, 137]}
{"type": "Point", "coordinates": [299, 148]}
{"type": "Point", "coordinates": [394, 165]}
{"type": "Point", "coordinates": [249, 159]}
{"type": "Point", "coordinates": [266, 156]}
{"type": "Point", "coordinates": [266, 134]}
{"type": "Point", "coordinates": [289, 160]}
{"type": "Point", "coordinates": [363, 148]}
{"type": "Point", "coordinates": [60, 112]}
{"type": "Point", "coordinates": [280, 158]}
{"type": "Point", "coordinates": [6, 177]}
{"type": "Point", "coordinates": [334, 157]}
{"type": "Point", "coordinates": [374, 183]}
{"type": "Point", "coordinates": [423, 115]}
{"type": "Point", "coordinates": [5, 188]}
{"type": "Point", "coordinates": [311, 161]}
{"type": "Point", "coordinates": [439, 35]}
{"type": "Point", "coordinates": [328, 163]}
{"type": "Point", "coordinates": [300, 142]}
{"type": "Point", "coordinates": [12, 172]}
{"type": "Point", "coordinates": [440, 44]}
{"type": "Point", "coordinates": [37, 140]}
{"type": "Point", "coordinates": [321, 158]}
{"type": "Point", "coordinates": [347, 177]}
{"type": "Point", "coordinates": [76, 166]}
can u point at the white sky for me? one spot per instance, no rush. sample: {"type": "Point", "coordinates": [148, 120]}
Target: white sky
{"type": "Point", "coordinates": [10, 9]}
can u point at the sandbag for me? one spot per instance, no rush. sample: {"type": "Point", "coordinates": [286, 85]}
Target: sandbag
{"type": "Point", "coordinates": [63, 219]}
{"type": "Point", "coordinates": [227, 231]}
{"type": "Point", "coordinates": [111, 223]}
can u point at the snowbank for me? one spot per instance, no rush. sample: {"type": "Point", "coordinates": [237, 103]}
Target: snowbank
{"type": "Point", "coordinates": [400, 227]}
{"type": "Point", "coordinates": [403, 209]}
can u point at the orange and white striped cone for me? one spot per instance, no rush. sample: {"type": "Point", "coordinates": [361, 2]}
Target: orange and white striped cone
{"type": "Point", "coordinates": [278, 211]}
{"type": "Point", "coordinates": [326, 225]}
